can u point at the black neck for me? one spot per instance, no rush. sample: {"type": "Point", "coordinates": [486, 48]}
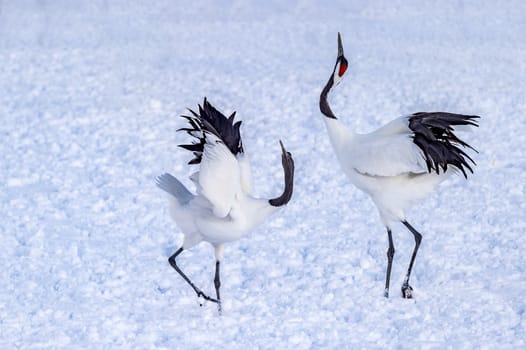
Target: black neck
{"type": "Point", "coordinates": [324, 104]}
{"type": "Point", "coordinates": [288, 170]}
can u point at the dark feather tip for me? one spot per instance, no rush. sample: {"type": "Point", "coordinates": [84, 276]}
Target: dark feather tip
{"type": "Point", "coordinates": [433, 134]}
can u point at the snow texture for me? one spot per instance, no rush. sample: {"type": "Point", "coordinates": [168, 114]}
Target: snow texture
{"type": "Point", "coordinates": [89, 97]}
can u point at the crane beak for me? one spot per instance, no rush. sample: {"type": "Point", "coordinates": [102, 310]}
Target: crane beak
{"type": "Point", "coordinates": [340, 46]}
{"type": "Point", "coordinates": [341, 61]}
{"type": "Point", "coordinates": [283, 150]}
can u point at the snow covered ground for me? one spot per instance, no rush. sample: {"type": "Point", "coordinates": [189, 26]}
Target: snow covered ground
{"type": "Point", "coordinates": [90, 92]}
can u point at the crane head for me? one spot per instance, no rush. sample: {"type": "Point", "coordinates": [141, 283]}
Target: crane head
{"type": "Point", "coordinates": [341, 63]}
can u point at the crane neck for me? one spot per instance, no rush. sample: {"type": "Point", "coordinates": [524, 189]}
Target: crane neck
{"type": "Point", "coordinates": [339, 134]}
{"type": "Point", "coordinates": [324, 104]}
{"type": "Point", "coordinates": [288, 172]}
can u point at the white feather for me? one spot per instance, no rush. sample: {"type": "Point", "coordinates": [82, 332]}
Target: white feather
{"type": "Point", "coordinates": [219, 176]}
{"type": "Point", "coordinates": [389, 155]}
{"type": "Point", "coordinates": [385, 164]}
{"type": "Point", "coordinates": [223, 209]}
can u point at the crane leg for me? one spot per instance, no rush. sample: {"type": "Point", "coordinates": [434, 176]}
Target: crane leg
{"type": "Point", "coordinates": [390, 255]}
{"type": "Point", "coordinates": [199, 293]}
{"type": "Point", "coordinates": [217, 284]}
{"type": "Point", "coordinates": [407, 290]}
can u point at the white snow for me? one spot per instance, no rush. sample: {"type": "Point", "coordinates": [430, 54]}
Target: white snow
{"type": "Point", "coordinates": [89, 97]}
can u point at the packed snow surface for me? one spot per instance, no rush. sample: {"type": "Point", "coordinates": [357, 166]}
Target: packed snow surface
{"type": "Point", "coordinates": [90, 95]}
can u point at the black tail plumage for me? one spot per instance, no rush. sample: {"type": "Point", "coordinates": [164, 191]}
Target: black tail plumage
{"type": "Point", "coordinates": [433, 134]}
{"type": "Point", "coordinates": [211, 120]}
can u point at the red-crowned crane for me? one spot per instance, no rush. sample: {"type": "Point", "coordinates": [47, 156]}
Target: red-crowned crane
{"type": "Point", "coordinates": [223, 210]}
{"type": "Point", "coordinates": [400, 163]}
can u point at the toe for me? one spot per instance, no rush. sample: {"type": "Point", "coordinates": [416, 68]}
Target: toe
{"type": "Point", "coordinates": [407, 292]}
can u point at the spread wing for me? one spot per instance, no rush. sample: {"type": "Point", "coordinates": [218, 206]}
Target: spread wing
{"type": "Point", "coordinates": [174, 187]}
{"type": "Point", "coordinates": [219, 176]}
{"type": "Point", "coordinates": [217, 147]}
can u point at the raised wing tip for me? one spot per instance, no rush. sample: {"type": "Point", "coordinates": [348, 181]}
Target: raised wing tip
{"type": "Point", "coordinates": [160, 180]}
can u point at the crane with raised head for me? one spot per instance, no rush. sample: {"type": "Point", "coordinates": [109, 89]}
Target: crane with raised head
{"type": "Point", "coordinates": [399, 163]}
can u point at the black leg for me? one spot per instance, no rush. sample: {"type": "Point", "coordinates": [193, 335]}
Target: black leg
{"type": "Point", "coordinates": [390, 255]}
{"type": "Point", "coordinates": [407, 290]}
{"type": "Point", "coordinates": [172, 262]}
{"type": "Point", "coordinates": [217, 284]}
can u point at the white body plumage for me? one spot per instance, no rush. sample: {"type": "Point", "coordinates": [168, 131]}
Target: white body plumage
{"type": "Point", "coordinates": [386, 164]}
{"type": "Point", "coordinates": [223, 208]}
{"type": "Point", "coordinates": [399, 163]}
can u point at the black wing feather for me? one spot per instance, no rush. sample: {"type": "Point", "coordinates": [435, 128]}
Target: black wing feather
{"type": "Point", "coordinates": [433, 134]}
{"type": "Point", "coordinates": [209, 119]}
